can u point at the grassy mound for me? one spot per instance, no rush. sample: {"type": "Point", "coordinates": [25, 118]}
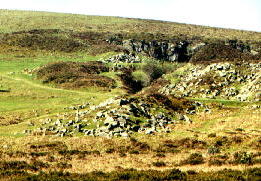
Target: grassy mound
{"type": "Point", "coordinates": [219, 52]}
{"type": "Point", "coordinates": [75, 74]}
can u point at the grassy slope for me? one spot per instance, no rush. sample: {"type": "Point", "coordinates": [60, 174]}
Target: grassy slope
{"type": "Point", "coordinates": [29, 100]}
{"type": "Point", "coordinates": [13, 21]}
{"type": "Point", "coordinates": [28, 97]}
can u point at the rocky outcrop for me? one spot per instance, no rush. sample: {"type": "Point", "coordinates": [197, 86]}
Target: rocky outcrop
{"type": "Point", "coordinates": [182, 51]}
{"type": "Point", "coordinates": [122, 58]}
{"type": "Point", "coordinates": [218, 80]}
{"type": "Point", "coordinates": [119, 117]}
{"type": "Point", "coordinates": [160, 50]}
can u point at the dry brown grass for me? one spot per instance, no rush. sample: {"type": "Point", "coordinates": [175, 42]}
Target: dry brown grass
{"type": "Point", "coordinates": [31, 145]}
{"type": "Point", "coordinates": [13, 21]}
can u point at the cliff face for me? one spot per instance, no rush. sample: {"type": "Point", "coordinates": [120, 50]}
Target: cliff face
{"type": "Point", "coordinates": [183, 51]}
{"type": "Point", "coordinates": [160, 50]}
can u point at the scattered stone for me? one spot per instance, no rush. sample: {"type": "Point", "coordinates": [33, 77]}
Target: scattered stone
{"type": "Point", "coordinates": [122, 58]}
{"type": "Point", "coordinates": [219, 80]}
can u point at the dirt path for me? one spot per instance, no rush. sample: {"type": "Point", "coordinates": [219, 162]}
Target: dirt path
{"type": "Point", "coordinates": [41, 86]}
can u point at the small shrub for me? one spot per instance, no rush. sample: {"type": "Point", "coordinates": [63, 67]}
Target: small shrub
{"type": "Point", "coordinates": [170, 102]}
{"type": "Point", "coordinates": [69, 152]}
{"type": "Point", "coordinates": [63, 165]}
{"type": "Point", "coordinates": [221, 141]}
{"type": "Point", "coordinates": [51, 159]}
{"type": "Point", "coordinates": [175, 174]}
{"type": "Point", "coordinates": [216, 161]}
{"type": "Point", "coordinates": [237, 139]}
{"type": "Point", "coordinates": [134, 152]}
{"type": "Point", "coordinates": [129, 82]}
{"type": "Point", "coordinates": [58, 145]}
{"type": "Point", "coordinates": [224, 157]}
{"type": "Point", "coordinates": [123, 149]}
{"type": "Point", "coordinates": [110, 150]}
{"type": "Point", "coordinates": [243, 158]}
{"type": "Point", "coordinates": [95, 152]}
{"type": "Point", "coordinates": [40, 164]}
{"type": "Point", "coordinates": [191, 143]}
{"type": "Point", "coordinates": [240, 129]}
{"type": "Point", "coordinates": [194, 159]}
{"type": "Point", "coordinates": [161, 155]}
{"type": "Point", "coordinates": [142, 146]}
{"type": "Point", "coordinates": [160, 150]}
{"type": "Point", "coordinates": [212, 135]}
{"type": "Point", "coordinates": [77, 152]}
{"type": "Point", "coordinates": [155, 69]}
{"type": "Point", "coordinates": [159, 164]}
{"type": "Point", "coordinates": [166, 149]}
{"type": "Point", "coordinates": [191, 172]}
{"type": "Point", "coordinates": [17, 154]}
{"type": "Point", "coordinates": [170, 145]}
{"type": "Point", "coordinates": [38, 154]}
{"type": "Point", "coordinates": [213, 150]}
{"type": "Point", "coordinates": [133, 140]}
{"type": "Point", "coordinates": [141, 77]}
{"type": "Point", "coordinates": [15, 165]}
{"type": "Point", "coordinates": [122, 154]}
{"type": "Point", "coordinates": [81, 156]}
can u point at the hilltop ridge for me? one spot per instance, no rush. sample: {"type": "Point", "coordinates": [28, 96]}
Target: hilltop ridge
{"type": "Point", "coordinates": [14, 21]}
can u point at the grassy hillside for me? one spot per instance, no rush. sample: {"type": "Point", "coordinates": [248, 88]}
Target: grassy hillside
{"type": "Point", "coordinates": [43, 54]}
{"type": "Point", "coordinates": [14, 21]}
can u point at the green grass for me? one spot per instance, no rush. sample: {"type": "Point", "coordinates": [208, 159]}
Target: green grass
{"type": "Point", "coordinates": [224, 102]}
{"type": "Point", "coordinates": [30, 99]}
{"type": "Point", "coordinates": [181, 69]}
{"type": "Point", "coordinates": [46, 20]}
{"type": "Point", "coordinates": [19, 64]}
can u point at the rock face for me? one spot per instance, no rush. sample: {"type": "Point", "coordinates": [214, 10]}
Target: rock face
{"type": "Point", "coordinates": [160, 50]}
{"type": "Point", "coordinates": [182, 51]}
